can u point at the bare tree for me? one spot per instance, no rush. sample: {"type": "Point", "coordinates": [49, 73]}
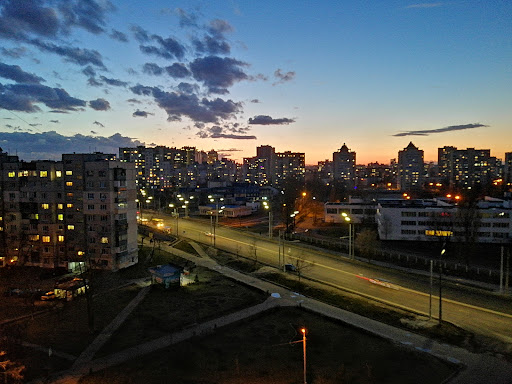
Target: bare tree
{"type": "Point", "coordinates": [11, 370]}
{"type": "Point", "coordinates": [302, 264]}
{"type": "Point", "coordinates": [367, 243]}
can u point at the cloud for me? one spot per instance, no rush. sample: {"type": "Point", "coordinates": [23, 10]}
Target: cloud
{"type": "Point", "coordinates": [188, 88]}
{"type": "Point", "coordinates": [426, 132]}
{"type": "Point", "coordinates": [217, 132]}
{"type": "Point", "coordinates": [229, 150]}
{"type": "Point", "coordinates": [140, 34]}
{"type": "Point", "coordinates": [134, 101]}
{"type": "Point", "coordinates": [255, 101]}
{"type": "Point", "coordinates": [24, 97]}
{"type": "Point", "coordinates": [99, 105]}
{"type": "Point", "coordinates": [152, 69]}
{"type": "Point", "coordinates": [139, 113]}
{"type": "Point", "coordinates": [267, 120]}
{"type": "Point", "coordinates": [168, 48]}
{"type": "Point", "coordinates": [14, 72]}
{"type": "Point", "coordinates": [218, 28]}
{"type": "Point", "coordinates": [178, 71]}
{"type": "Point", "coordinates": [80, 56]}
{"type": "Point", "coordinates": [119, 36]}
{"type": "Point", "coordinates": [35, 124]}
{"type": "Point", "coordinates": [186, 19]}
{"type": "Point", "coordinates": [51, 145]}
{"type": "Point", "coordinates": [15, 53]}
{"type": "Point", "coordinates": [89, 71]}
{"type": "Point", "coordinates": [218, 73]}
{"type": "Point", "coordinates": [283, 77]}
{"type": "Point", "coordinates": [179, 105]}
{"type": "Point", "coordinates": [55, 121]}
{"type": "Point", "coordinates": [212, 46]}
{"type": "Point", "coordinates": [52, 18]}
{"type": "Point", "coordinates": [424, 5]}
{"type": "Point", "coordinates": [99, 124]}
{"type": "Point", "coordinates": [113, 82]}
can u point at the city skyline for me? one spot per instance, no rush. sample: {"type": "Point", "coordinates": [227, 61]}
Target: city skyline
{"type": "Point", "coordinates": [88, 75]}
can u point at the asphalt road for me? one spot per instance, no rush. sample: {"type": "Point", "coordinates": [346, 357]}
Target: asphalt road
{"type": "Point", "coordinates": [475, 310]}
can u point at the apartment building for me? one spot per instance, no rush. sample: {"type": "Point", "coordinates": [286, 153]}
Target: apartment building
{"type": "Point", "coordinates": [410, 168]}
{"type": "Point", "coordinates": [344, 165]}
{"type": "Point", "coordinates": [57, 213]}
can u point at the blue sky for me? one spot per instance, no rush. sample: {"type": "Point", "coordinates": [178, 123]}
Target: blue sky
{"type": "Point", "coordinates": [81, 75]}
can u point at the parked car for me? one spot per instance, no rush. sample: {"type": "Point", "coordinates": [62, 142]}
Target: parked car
{"type": "Point", "coordinates": [50, 295]}
{"type": "Point", "coordinates": [290, 268]}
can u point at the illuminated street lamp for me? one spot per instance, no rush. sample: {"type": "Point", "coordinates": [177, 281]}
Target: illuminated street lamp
{"type": "Point", "coordinates": [303, 330]}
{"type": "Point", "coordinates": [267, 206]}
{"type": "Point", "coordinates": [351, 252]}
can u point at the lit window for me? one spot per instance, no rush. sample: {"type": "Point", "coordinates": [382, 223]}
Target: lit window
{"type": "Point", "coordinates": [33, 237]}
{"type": "Point", "coordinates": [61, 238]}
{"type": "Point", "coordinates": [45, 206]}
{"type": "Point", "coordinates": [69, 205]}
{"type": "Point", "coordinates": [69, 194]}
{"type": "Point", "coordinates": [104, 240]}
{"type": "Point", "coordinates": [58, 173]}
{"type": "Point", "coordinates": [69, 183]}
{"type": "Point", "coordinates": [46, 239]}
{"type": "Point", "coordinates": [12, 174]}
{"type": "Point", "coordinates": [60, 206]}
{"type": "Point", "coordinates": [60, 217]}
{"type": "Point", "coordinates": [43, 173]}
{"type": "Point", "coordinates": [69, 173]}
{"type": "Point", "coordinates": [71, 227]}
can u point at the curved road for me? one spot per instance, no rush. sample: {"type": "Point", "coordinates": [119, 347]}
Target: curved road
{"type": "Point", "coordinates": [475, 310]}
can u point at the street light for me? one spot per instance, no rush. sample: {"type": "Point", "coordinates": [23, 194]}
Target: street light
{"type": "Point", "coordinates": [267, 206]}
{"type": "Point", "coordinates": [303, 330]}
{"type": "Point", "coordinates": [351, 253]}
{"type": "Point", "coordinates": [443, 251]}
{"type": "Point", "coordinates": [214, 200]}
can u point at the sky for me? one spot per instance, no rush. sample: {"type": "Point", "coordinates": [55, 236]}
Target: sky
{"type": "Point", "coordinates": [94, 75]}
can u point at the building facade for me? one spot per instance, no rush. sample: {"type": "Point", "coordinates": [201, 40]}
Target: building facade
{"type": "Point", "coordinates": [56, 213]}
{"type": "Point", "coordinates": [410, 168]}
{"type": "Point", "coordinates": [344, 165]}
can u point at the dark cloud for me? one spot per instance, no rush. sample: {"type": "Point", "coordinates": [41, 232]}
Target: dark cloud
{"type": "Point", "coordinates": [186, 19]}
{"type": "Point", "coordinates": [51, 145]}
{"type": "Point", "coordinates": [93, 82]}
{"type": "Point", "coordinates": [139, 113]}
{"type": "Point", "coordinates": [218, 73]}
{"type": "Point", "coordinates": [152, 69]}
{"type": "Point", "coordinates": [217, 132]}
{"type": "Point", "coordinates": [267, 120]}
{"type": "Point", "coordinates": [35, 124]}
{"type": "Point", "coordinates": [80, 56]}
{"type": "Point", "coordinates": [168, 48]}
{"type": "Point", "coordinates": [212, 46]}
{"type": "Point", "coordinates": [99, 105]}
{"type": "Point", "coordinates": [140, 34]}
{"type": "Point", "coordinates": [98, 124]}
{"type": "Point", "coordinates": [89, 71]}
{"type": "Point", "coordinates": [179, 105]}
{"type": "Point", "coordinates": [24, 97]}
{"type": "Point", "coordinates": [15, 53]}
{"type": "Point", "coordinates": [15, 73]}
{"type": "Point", "coordinates": [113, 82]}
{"type": "Point", "coordinates": [426, 132]}
{"type": "Point", "coordinates": [134, 101]}
{"type": "Point", "coordinates": [51, 18]}
{"type": "Point", "coordinates": [255, 101]}
{"type": "Point", "coordinates": [119, 36]}
{"type": "Point", "coordinates": [94, 132]}
{"type": "Point", "coordinates": [177, 71]}
{"type": "Point", "coordinates": [188, 88]}
{"type": "Point", "coordinates": [55, 121]}
{"type": "Point", "coordinates": [283, 77]}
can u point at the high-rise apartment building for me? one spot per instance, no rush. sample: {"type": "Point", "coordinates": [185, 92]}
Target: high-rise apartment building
{"type": "Point", "coordinates": [56, 213]}
{"type": "Point", "coordinates": [410, 168]}
{"type": "Point", "coordinates": [344, 165]}
{"type": "Point", "coordinates": [467, 167]}
{"type": "Point", "coordinates": [507, 168]}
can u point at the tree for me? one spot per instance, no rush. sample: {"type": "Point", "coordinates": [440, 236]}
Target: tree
{"type": "Point", "coordinates": [11, 370]}
{"type": "Point", "coordinates": [302, 264]}
{"type": "Point", "coordinates": [366, 242]}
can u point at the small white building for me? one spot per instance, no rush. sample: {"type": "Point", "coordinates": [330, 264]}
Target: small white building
{"type": "Point", "coordinates": [490, 221]}
{"type": "Point", "coordinates": [358, 210]}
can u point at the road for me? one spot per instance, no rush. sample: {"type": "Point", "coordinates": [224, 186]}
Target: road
{"type": "Point", "coordinates": [474, 310]}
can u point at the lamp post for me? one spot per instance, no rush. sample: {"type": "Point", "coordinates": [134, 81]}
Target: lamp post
{"type": "Point", "coordinates": [303, 330]}
{"type": "Point", "coordinates": [214, 200]}
{"type": "Point", "coordinates": [177, 215]}
{"type": "Point", "coordinates": [351, 253]}
{"type": "Point", "coordinates": [443, 251]}
{"type": "Point", "coordinates": [267, 206]}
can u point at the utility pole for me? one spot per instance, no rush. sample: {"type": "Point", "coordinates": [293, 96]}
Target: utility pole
{"type": "Point", "coordinates": [431, 288]}
{"type": "Point", "coordinates": [304, 350]}
{"type": "Point", "coordinates": [441, 283]}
